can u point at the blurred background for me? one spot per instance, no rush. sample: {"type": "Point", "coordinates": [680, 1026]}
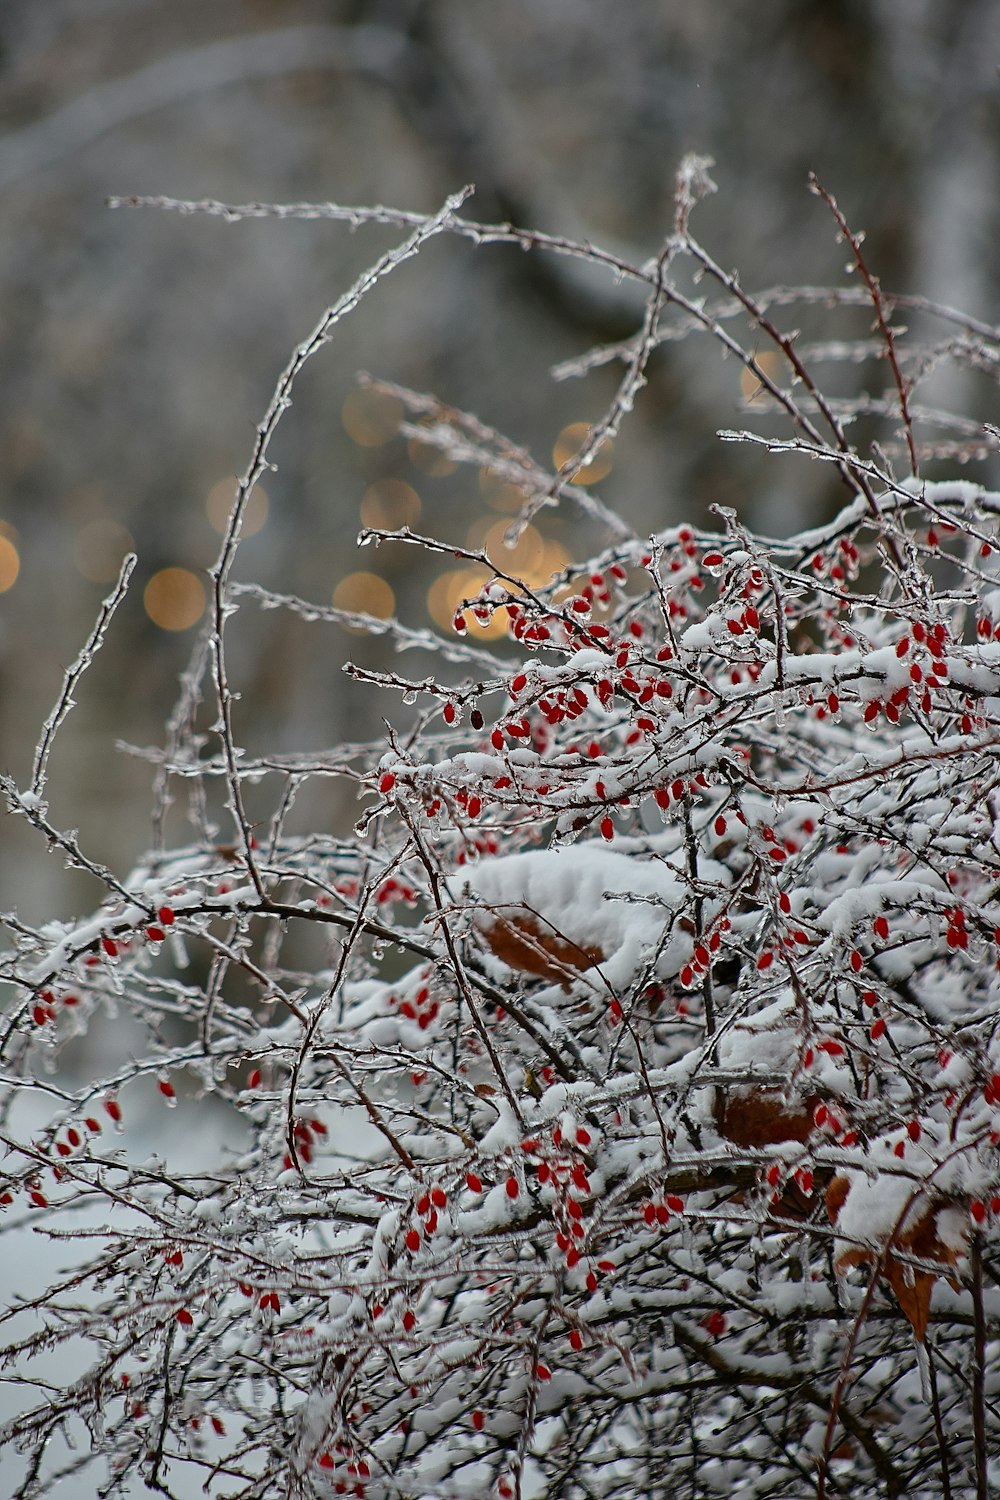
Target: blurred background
{"type": "Point", "coordinates": [140, 348]}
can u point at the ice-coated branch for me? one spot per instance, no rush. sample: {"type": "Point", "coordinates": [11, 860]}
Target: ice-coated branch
{"type": "Point", "coordinates": [608, 1075]}
{"type": "Point", "coordinates": [65, 700]}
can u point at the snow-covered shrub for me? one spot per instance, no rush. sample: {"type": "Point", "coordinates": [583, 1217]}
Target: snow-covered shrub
{"type": "Point", "coordinates": [661, 969]}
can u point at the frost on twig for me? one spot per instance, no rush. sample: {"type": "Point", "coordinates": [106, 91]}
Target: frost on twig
{"type": "Point", "coordinates": [65, 701]}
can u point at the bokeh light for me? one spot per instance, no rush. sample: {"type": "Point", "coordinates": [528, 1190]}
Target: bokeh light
{"type": "Point", "coordinates": [533, 560]}
{"type": "Point", "coordinates": [99, 547]}
{"type": "Point", "coordinates": [523, 559]}
{"type": "Point", "coordinates": [446, 594]}
{"type": "Point", "coordinates": [174, 599]}
{"type": "Point", "coordinates": [389, 504]}
{"type": "Point", "coordinates": [219, 504]}
{"type": "Point", "coordinates": [568, 444]}
{"type": "Point", "coordinates": [499, 493]}
{"type": "Point", "coordinates": [751, 389]}
{"type": "Point", "coordinates": [365, 594]}
{"type": "Point", "coordinates": [10, 561]}
{"type": "Point", "coordinates": [370, 418]}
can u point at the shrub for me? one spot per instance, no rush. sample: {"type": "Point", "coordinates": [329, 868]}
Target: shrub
{"type": "Point", "coordinates": [660, 971]}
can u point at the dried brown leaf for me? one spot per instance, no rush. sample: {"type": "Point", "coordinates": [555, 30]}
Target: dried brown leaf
{"type": "Point", "coordinates": [520, 940]}
{"type": "Point", "coordinates": [763, 1118]}
{"type": "Point", "coordinates": [911, 1286]}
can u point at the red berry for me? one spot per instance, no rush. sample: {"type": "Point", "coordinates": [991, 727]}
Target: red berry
{"type": "Point", "coordinates": [478, 1420]}
{"type": "Point", "coordinates": [386, 782]}
{"type": "Point", "coordinates": [166, 916]}
{"type": "Point", "coordinates": [513, 1187]}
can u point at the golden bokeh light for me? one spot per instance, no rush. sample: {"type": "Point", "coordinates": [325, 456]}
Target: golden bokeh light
{"type": "Point", "coordinates": [219, 504]}
{"type": "Point", "coordinates": [499, 493]}
{"type": "Point", "coordinates": [446, 594]}
{"type": "Point", "coordinates": [751, 388]}
{"type": "Point", "coordinates": [428, 459]}
{"type": "Point", "coordinates": [10, 561]}
{"type": "Point", "coordinates": [533, 560]}
{"type": "Point", "coordinates": [174, 599]}
{"type": "Point", "coordinates": [365, 594]}
{"type": "Point", "coordinates": [555, 560]}
{"type": "Point", "coordinates": [370, 418]}
{"type": "Point", "coordinates": [568, 444]}
{"type": "Point", "coordinates": [98, 549]}
{"type": "Point", "coordinates": [389, 504]}
{"type": "Point", "coordinates": [524, 559]}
